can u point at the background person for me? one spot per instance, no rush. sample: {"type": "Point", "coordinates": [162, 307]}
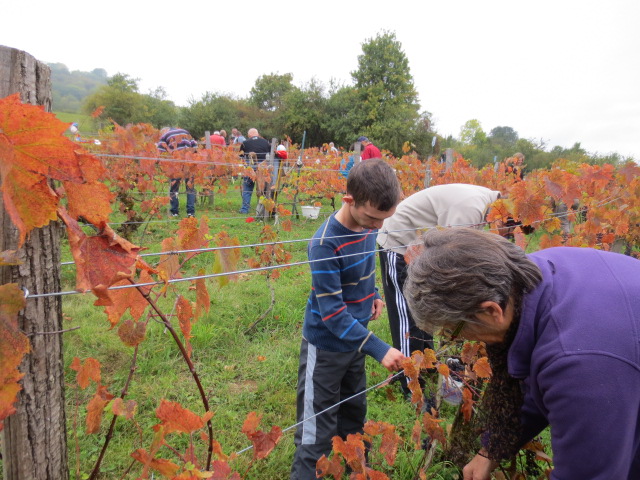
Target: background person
{"type": "Point", "coordinates": [562, 328]}
{"type": "Point", "coordinates": [259, 146]}
{"type": "Point", "coordinates": [217, 139]}
{"type": "Point", "coordinates": [173, 139]}
{"type": "Point", "coordinates": [343, 300]}
{"type": "Point", "coordinates": [370, 150]}
{"type": "Point", "coordinates": [454, 204]}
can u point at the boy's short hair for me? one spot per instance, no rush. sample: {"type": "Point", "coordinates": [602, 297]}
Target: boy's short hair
{"type": "Point", "coordinates": [374, 181]}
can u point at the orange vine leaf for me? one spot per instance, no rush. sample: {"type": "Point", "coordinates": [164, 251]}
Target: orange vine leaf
{"type": "Point", "coordinates": [160, 465]}
{"type": "Point", "coordinates": [222, 471]}
{"type": "Point", "coordinates": [263, 443]}
{"type": "Point", "coordinates": [352, 450]}
{"type": "Point", "coordinates": [14, 345]}
{"type": "Point", "coordinates": [203, 302]}
{"type": "Point", "coordinates": [226, 259]}
{"type": "Point", "coordinates": [193, 236]}
{"type": "Point", "coordinates": [95, 408]}
{"type": "Point", "coordinates": [126, 409]}
{"type": "Point", "coordinates": [390, 439]}
{"type": "Point", "coordinates": [433, 428]}
{"type": "Point", "coordinates": [175, 418]}
{"type": "Point", "coordinates": [467, 404]}
{"type": "Point", "coordinates": [469, 352]}
{"type": "Point", "coordinates": [185, 315]}
{"type": "Point", "coordinates": [482, 368]}
{"type": "Point", "coordinates": [102, 259]}
{"type": "Point", "coordinates": [132, 333]}
{"type": "Point", "coordinates": [87, 371]}
{"type": "Point", "coordinates": [333, 467]}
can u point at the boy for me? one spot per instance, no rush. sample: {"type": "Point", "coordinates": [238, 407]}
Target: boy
{"type": "Point", "coordinates": [343, 299]}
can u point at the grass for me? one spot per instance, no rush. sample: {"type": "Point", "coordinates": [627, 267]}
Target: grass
{"type": "Point", "coordinates": [241, 372]}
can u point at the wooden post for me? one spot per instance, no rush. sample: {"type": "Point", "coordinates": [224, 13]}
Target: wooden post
{"type": "Point", "coordinates": [356, 151]}
{"type": "Point", "coordinates": [449, 159]}
{"type": "Point", "coordinates": [34, 439]}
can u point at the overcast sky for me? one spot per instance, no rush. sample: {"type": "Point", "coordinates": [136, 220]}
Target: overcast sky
{"type": "Point", "coordinates": [563, 71]}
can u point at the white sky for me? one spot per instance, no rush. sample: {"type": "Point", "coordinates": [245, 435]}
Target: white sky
{"type": "Point", "coordinates": [564, 71]}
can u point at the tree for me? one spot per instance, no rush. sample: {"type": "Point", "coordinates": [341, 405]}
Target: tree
{"type": "Point", "coordinates": [121, 100]}
{"type": "Point", "coordinates": [269, 91]}
{"type": "Point", "coordinates": [471, 133]}
{"type": "Point", "coordinates": [386, 92]}
{"type": "Point", "coordinates": [503, 136]}
{"type": "Point", "coordinates": [305, 110]}
{"type": "Point", "coordinates": [161, 112]}
{"type": "Point", "coordinates": [344, 117]}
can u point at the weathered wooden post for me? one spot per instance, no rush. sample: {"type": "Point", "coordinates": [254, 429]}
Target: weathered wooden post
{"type": "Point", "coordinates": [34, 444]}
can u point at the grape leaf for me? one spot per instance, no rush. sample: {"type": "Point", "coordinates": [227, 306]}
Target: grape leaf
{"type": "Point", "coordinates": [13, 346]}
{"type": "Point", "coordinates": [89, 370]}
{"type": "Point", "coordinates": [95, 408]}
{"type": "Point", "coordinates": [263, 443]}
{"type": "Point", "coordinates": [175, 418]}
{"type": "Point", "coordinates": [160, 465]}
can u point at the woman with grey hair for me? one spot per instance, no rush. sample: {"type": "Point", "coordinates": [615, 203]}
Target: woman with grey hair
{"type": "Point", "coordinates": [562, 328]}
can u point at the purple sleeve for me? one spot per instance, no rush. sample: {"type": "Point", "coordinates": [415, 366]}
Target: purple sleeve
{"type": "Point", "coordinates": [592, 404]}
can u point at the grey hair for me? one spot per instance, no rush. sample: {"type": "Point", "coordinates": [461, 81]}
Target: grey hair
{"type": "Point", "coordinates": [459, 269]}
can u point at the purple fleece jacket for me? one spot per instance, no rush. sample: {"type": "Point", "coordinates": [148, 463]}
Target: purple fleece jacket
{"type": "Point", "coordinates": [577, 350]}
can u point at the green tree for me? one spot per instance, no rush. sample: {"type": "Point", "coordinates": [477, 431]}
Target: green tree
{"type": "Point", "coordinates": [304, 109]}
{"type": "Point", "coordinates": [121, 100]}
{"type": "Point", "coordinates": [387, 95]}
{"type": "Point", "coordinates": [269, 91]}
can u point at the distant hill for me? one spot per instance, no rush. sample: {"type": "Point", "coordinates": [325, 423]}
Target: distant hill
{"type": "Point", "coordinates": [69, 89]}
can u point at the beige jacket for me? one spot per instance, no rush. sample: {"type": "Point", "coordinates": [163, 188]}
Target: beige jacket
{"type": "Point", "coordinates": [451, 205]}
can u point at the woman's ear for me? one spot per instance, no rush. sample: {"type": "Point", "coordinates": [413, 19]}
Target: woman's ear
{"type": "Point", "coordinates": [492, 313]}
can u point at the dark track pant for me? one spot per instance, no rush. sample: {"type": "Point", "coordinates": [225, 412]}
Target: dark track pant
{"type": "Point", "coordinates": [406, 335]}
{"type": "Point", "coordinates": [324, 379]}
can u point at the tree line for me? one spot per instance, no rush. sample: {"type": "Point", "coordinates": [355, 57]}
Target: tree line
{"type": "Point", "coordinates": [381, 103]}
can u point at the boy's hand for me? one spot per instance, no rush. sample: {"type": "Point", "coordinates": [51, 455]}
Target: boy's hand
{"type": "Point", "coordinates": [376, 309]}
{"type": "Point", "coordinates": [392, 360]}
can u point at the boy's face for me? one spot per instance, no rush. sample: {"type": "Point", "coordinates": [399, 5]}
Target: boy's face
{"type": "Point", "coordinates": [369, 217]}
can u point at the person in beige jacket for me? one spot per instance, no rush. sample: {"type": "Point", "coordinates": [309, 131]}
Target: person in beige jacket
{"type": "Point", "coordinates": [451, 205]}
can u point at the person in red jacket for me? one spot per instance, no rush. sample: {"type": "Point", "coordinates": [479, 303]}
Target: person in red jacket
{"type": "Point", "coordinates": [370, 150]}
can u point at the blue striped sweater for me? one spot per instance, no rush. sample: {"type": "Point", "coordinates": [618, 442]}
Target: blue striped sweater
{"type": "Point", "coordinates": [343, 266]}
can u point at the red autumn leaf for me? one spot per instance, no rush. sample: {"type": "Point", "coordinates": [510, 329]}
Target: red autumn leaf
{"type": "Point", "coordinates": [333, 467]}
{"type": "Point", "coordinates": [286, 225]}
{"type": "Point", "coordinates": [125, 299]}
{"type": "Point", "coordinates": [222, 471]}
{"type": "Point", "coordinates": [482, 368]}
{"type": "Point", "coordinates": [469, 352]}
{"type": "Point", "coordinates": [100, 259]}
{"type": "Point", "coordinates": [413, 252]}
{"type": "Point", "coordinates": [226, 259]}
{"type": "Point", "coordinates": [132, 333]}
{"type": "Point", "coordinates": [124, 409]}
{"type": "Point", "coordinates": [433, 428]}
{"type": "Point", "coordinates": [89, 370]}
{"type": "Point", "coordinates": [185, 315]}
{"type": "Point", "coordinates": [390, 439]}
{"type": "Point", "coordinates": [467, 404]}
{"type": "Point", "coordinates": [352, 450]}
{"type": "Point", "coordinates": [416, 434]}
{"type": "Point", "coordinates": [175, 418]}
{"type": "Point", "coordinates": [169, 265]}
{"type": "Point", "coordinates": [443, 370]}
{"type": "Point", "coordinates": [203, 302]}
{"type": "Point", "coordinates": [193, 236]}
{"type": "Point", "coordinates": [263, 442]}
{"type": "Point", "coordinates": [13, 346]}
{"type": "Point", "coordinates": [34, 152]}
{"type": "Point", "coordinates": [160, 465]}
{"type": "Point", "coordinates": [95, 408]}
{"type": "Point", "coordinates": [91, 200]}
{"type": "Point", "coordinates": [250, 220]}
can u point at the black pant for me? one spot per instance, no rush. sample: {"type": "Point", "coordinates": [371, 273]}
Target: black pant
{"type": "Point", "coordinates": [406, 335]}
{"type": "Point", "coordinates": [324, 379]}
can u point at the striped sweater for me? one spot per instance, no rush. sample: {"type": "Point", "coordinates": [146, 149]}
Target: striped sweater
{"type": "Point", "coordinates": [343, 266]}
